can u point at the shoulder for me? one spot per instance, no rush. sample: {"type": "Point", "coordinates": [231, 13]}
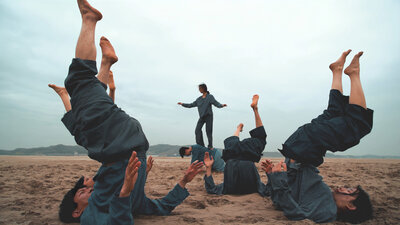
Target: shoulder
{"type": "Point", "coordinates": [196, 147]}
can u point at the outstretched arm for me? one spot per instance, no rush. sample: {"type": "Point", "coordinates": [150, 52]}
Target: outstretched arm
{"type": "Point", "coordinates": [190, 173]}
{"type": "Point", "coordinates": [209, 184]}
{"type": "Point", "coordinates": [188, 105]}
{"type": "Point", "coordinates": [217, 104]}
{"type": "Point", "coordinates": [120, 205]}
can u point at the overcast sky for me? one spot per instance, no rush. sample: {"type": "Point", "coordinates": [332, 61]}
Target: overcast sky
{"type": "Point", "coordinates": [278, 49]}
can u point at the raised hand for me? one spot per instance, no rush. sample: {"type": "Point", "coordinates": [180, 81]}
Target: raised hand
{"type": "Point", "coordinates": [130, 175]}
{"type": "Point", "coordinates": [150, 162]}
{"type": "Point", "coordinates": [279, 167]}
{"type": "Point", "coordinates": [267, 166]}
{"type": "Point", "coordinates": [190, 173]}
{"type": "Point", "coordinates": [207, 161]}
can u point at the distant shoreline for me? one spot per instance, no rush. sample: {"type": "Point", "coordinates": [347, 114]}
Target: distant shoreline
{"type": "Point", "coordinates": [160, 150]}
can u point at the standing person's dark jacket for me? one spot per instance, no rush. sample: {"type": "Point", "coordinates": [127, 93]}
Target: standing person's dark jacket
{"type": "Point", "coordinates": [204, 105]}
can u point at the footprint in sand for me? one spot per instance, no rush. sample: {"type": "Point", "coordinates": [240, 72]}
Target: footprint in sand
{"type": "Point", "coordinates": [218, 201]}
{"type": "Point", "coordinates": [196, 204]}
{"type": "Point", "coordinates": [188, 219]}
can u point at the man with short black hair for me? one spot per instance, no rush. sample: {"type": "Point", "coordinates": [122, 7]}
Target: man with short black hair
{"type": "Point", "coordinates": [111, 137]}
{"type": "Point", "coordinates": [295, 185]}
{"type": "Point", "coordinates": [197, 153]}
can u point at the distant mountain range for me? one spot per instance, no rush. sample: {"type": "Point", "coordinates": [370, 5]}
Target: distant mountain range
{"type": "Point", "coordinates": [157, 150]}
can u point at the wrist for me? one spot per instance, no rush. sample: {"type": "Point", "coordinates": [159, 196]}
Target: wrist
{"type": "Point", "coordinates": [182, 183]}
{"type": "Point", "coordinates": [123, 193]}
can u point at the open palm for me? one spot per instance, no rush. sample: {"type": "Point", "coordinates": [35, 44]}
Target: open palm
{"type": "Point", "coordinates": [208, 161]}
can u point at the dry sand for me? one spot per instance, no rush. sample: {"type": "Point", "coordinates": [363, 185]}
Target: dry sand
{"type": "Point", "coordinates": [31, 189]}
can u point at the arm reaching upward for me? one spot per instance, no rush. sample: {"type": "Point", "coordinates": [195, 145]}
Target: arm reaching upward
{"type": "Point", "coordinates": [150, 163]}
{"type": "Point", "coordinates": [190, 173]}
{"type": "Point", "coordinates": [120, 206]}
{"type": "Point", "coordinates": [209, 184]}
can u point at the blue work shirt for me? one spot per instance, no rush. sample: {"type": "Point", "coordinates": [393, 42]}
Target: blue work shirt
{"type": "Point", "coordinates": [204, 105]}
{"type": "Point", "coordinates": [198, 152]}
{"type": "Point", "coordinates": [107, 208]}
{"type": "Point", "coordinates": [301, 194]}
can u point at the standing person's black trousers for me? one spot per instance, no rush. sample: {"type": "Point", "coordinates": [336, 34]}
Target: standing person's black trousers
{"type": "Point", "coordinates": [106, 131]}
{"type": "Point", "coordinates": [340, 127]}
{"type": "Point", "coordinates": [208, 120]}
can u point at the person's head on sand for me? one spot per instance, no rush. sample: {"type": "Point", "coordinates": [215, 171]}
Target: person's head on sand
{"type": "Point", "coordinates": [203, 88]}
{"type": "Point", "coordinates": [76, 200]}
{"type": "Point", "coordinates": [185, 151]}
{"type": "Point", "coordinates": [353, 204]}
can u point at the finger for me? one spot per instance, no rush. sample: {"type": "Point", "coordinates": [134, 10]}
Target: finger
{"type": "Point", "coordinates": [133, 156]}
{"type": "Point", "coordinates": [212, 158]}
{"type": "Point", "coordinates": [198, 166]}
{"type": "Point", "coordinates": [133, 162]}
{"type": "Point", "coordinates": [134, 171]}
{"type": "Point", "coordinates": [284, 167]}
{"type": "Point", "coordinates": [206, 156]}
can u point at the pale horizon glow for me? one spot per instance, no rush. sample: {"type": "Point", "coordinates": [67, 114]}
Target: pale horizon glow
{"type": "Point", "coordinates": [280, 50]}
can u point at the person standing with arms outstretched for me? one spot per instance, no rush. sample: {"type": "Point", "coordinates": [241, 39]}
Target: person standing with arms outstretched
{"type": "Point", "coordinates": [203, 104]}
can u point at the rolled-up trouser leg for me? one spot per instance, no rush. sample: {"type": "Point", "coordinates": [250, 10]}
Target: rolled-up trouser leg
{"type": "Point", "coordinates": [106, 131]}
{"type": "Point", "coordinates": [248, 149]}
{"type": "Point", "coordinates": [69, 122]}
{"type": "Point", "coordinates": [309, 143]}
{"type": "Point", "coordinates": [199, 133]}
{"type": "Point", "coordinates": [336, 106]}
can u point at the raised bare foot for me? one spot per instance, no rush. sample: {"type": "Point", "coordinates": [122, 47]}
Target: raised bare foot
{"type": "Point", "coordinates": [240, 127]}
{"type": "Point", "coordinates": [88, 12]}
{"type": "Point", "coordinates": [354, 67]}
{"type": "Point", "coordinates": [338, 65]}
{"type": "Point", "coordinates": [254, 104]}
{"type": "Point", "coordinates": [111, 80]}
{"type": "Point", "coordinates": [108, 51]}
{"type": "Point", "coordinates": [61, 91]}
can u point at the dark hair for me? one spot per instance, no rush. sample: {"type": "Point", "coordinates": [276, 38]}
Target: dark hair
{"type": "Point", "coordinates": [79, 183]}
{"type": "Point", "coordinates": [363, 209]}
{"type": "Point", "coordinates": [182, 151]}
{"type": "Point", "coordinates": [204, 87]}
{"type": "Point", "coordinates": [68, 205]}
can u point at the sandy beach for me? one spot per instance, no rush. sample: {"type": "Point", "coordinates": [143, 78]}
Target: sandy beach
{"type": "Point", "coordinates": [31, 188]}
